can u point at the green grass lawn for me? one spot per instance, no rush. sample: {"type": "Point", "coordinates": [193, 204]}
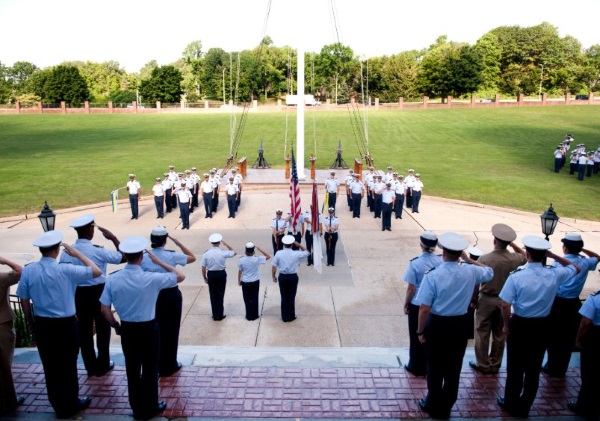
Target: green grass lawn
{"type": "Point", "coordinates": [498, 156]}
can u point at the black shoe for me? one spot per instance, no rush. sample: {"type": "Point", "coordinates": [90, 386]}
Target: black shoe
{"type": "Point", "coordinates": [111, 365]}
{"type": "Point", "coordinates": [389, 229]}
{"type": "Point", "coordinates": [500, 401]}
{"type": "Point", "coordinates": [572, 405]}
{"type": "Point", "coordinates": [482, 370]}
{"type": "Point", "coordinates": [84, 403]}
{"type": "Point", "coordinates": [170, 373]}
{"type": "Point", "coordinates": [290, 320]}
{"type": "Point", "coordinates": [382, 229]}
{"type": "Point", "coordinates": [218, 319]}
{"type": "Point", "coordinates": [133, 217]}
{"type": "Point", "coordinates": [20, 400]}
{"type": "Point", "coordinates": [414, 373]}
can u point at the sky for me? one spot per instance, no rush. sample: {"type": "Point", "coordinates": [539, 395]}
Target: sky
{"type": "Point", "coordinates": [134, 32]}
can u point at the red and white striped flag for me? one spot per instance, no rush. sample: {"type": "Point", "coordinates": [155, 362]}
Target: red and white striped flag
{"type": "Point", "coordinates": [296, 209]}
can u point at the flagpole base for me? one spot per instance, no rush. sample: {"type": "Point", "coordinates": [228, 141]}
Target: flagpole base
{"type": "Point", "coordinates": [302, 175]}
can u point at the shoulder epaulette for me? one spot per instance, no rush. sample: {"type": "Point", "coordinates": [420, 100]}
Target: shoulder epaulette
{"type": "Point", "coordinates": [64, 263]}
{"type": "Point", "coordinates": [112, 273]}
{"type": "Point", "coordinates": [593, 294]}
{"type": "Point", "coordinates": [170, 251]}
{"type": "Point", "coordinates": [100, 247]}
{"type": "Point", "coordinates": [440, 255]}
{"type": "Point", "coordinates": [516, 270]}
{"type": "Point", "coordinates": [30, 263]}
{"type": "Point", "coordinates": [414, 258]}
{"type": "Point", "coordinates": [430, 270]}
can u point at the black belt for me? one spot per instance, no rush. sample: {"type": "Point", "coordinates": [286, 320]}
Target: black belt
{"type": "Point", "coordinates": [54, 319]}
{"type": "Point", "coordinates": [132, 324]}
{"type": "Point", "coordinates": [215, 271]}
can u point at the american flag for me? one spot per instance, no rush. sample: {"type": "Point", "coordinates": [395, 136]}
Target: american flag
{"type": "Point", "coordinates": [296, 209]}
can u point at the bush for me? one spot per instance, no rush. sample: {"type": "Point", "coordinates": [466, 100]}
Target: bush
{"type": "Point", "coordinates": [24, 336]}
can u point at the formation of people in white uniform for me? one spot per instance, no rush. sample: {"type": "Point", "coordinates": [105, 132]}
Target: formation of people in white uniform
{"type": "Point", "coordinates": [582, 162]}
{"type": "Point", "coordinates": [183, 191]}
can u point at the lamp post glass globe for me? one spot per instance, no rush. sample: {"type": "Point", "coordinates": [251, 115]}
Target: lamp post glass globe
{"type": "Point", "coordinates": [47, 218]}
{"type": "Point", "coordinates": [549, 221]}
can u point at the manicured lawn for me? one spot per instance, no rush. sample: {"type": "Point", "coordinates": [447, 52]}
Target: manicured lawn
{"type": "Point", "coordinates": [495, 156]}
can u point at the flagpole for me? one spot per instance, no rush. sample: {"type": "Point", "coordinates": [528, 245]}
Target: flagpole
{"type": "Point", "coordinates": [300, 116]}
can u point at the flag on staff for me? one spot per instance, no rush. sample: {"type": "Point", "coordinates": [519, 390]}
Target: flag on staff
{"type": "Point", "coordinates": [325, 202]}
{"type": "Point", "coordinates": [296, 209]}
{"type": "Point", "coordinates": [114, 199]}
{"type": "Point", "coordinates": [316, 230]}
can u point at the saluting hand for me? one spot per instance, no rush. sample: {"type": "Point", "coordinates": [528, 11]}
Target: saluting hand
{"type": "Point", "coordinates": [106, 233]}
{"type": "Point", "coordinates": [70, 250]}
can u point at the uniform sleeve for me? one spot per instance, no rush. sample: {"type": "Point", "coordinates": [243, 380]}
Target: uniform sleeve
{"type": "Point", "coordinates": [203, 261]}
{"type": "Point", "coordinates": [112, 256]}
{"type": "Point", "coordinates": [228, 253]}
{"type": "Point", "coordinates": [508, 292]}
{"type": "Point", "coordinates": [484, 274]}
{"type": "Point", "coordinates": [275, 261]}
{"type": "Point", "coordinates": [165, 280]}
{"type": "Point", "coordinates": [180, 259]}
{"type": "Point", "coordinates": [77, 274]}
{"type": "Point", "coordinates": [262, 260]}
{"type": "Point", "coordinates": [588, 309]}
{"type": "Point", "coordinates": [592, 263]}
{"type": "Point", "coordinates": [106, 297]}
{"type": "Point", "coordinates": [565, 273]}
{"type": "Point", "coordinates": [410, 275]}
{"type": "Point", "coordinates": [426, 292]}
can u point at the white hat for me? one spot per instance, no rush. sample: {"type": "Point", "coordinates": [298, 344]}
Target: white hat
{"type": "Point", "coordinates": [331, 210]}
{"type": "Point", "coordinates": [536, 243]}
{"type": "Point", "coordinates": [288, 239]}
{"type": "Point", "coordinates": [234, 170]}
{"type": "Point", "coordinates": [429, 239]}
{"type": "Point", "coordinates": [205, 175]}
{"type": "Point", "coordinates": [215, 238]}
{"type": "Point", "coordinates": [157, 178]}
{"type": "Point", "coordinates": [171, 166]}
{"type": "Point", "coordinates": [411, 170]}
{"type": "Point", "coordinates": [82, 221]}
{"type": "Point", "coordinates": [572, 238]}
{"type": "Point", "coordinates": [48, 239]}
{"type": "Point", "coordinates": [132, 245]}
{"type": "Point", "coordinates": [159, 231]}
{"type": "Point", "coordinates": [475, 251]}
{"type": "Point", "coordinates": [279, 211]}
{"type": "Point", "coordinates": [418, 175]}
{"type": "Point", "coordinates": [453, 242]}
{"type": "Point", "coordinates": [249, 245]}
{"type": "Point", "coordinates": [131, 175]}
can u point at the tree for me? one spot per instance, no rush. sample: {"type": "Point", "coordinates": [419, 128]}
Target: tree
{"type": "Point", "coordinates": [193, 51]}
{"type": "Point", "coordinates": [65, 83]}
{"type": "Point", "coordinates": [216, 61]}
{"type": "Point", "coordinates": [489, 52]}
{"type": "Point", "coordinates": [337, 71]}
{"type": "Point", "coordinates": [146, 71]}
{"type": "Point", "coordinates": [163, 85]}
{"type": "Point", "coordinates": [590, 74]}
{"type": "Point", "coordinates": [20, 73]}
{"type": "Point", "coordinates": [5, 84]}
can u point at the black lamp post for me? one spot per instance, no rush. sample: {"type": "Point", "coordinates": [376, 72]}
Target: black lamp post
{"type": "Point", "coordinates": [47, 218]}
{"type": "Point", "coordinates": [549, 221]}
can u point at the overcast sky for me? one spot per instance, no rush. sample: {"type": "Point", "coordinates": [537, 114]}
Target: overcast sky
{"type": "Point", "coordinates": [133, 32]}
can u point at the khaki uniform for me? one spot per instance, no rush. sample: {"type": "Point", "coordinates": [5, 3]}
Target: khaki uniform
{"type": "Point", "coordinates": [8, 396]}
{"type": "Point", "coordinates": [488, 317]}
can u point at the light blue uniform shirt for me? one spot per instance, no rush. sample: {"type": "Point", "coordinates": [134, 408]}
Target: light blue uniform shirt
{"type": "Point", "coordinates": [249, 266]}
{"type": "Point", "coordinates": [133, 292]}
{"type": "Point", "coordinates": [99, 255]}
{"type": "Point", "coordinates": [416, 270]}
{"type": "Point", "coordinates": [214, 259]}
{"type": "Point", "coordinates": [591, 308]}
{"type": "Point", "coordinates": [531, 290]}
{"type": "Point", "coordinates": [170, 257]}
{"type": "Point", "coordinates": [573, 287]}
{"type": "Point", "coordinates": [448, 288]}
{"type": "Point", "coordinates": [51, 286]}
{"type": "Point", "coordinates": [287, 260]}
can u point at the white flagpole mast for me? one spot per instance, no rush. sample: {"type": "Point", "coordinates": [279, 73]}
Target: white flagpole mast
{"type": "Point", "coordinates": [300, 117]}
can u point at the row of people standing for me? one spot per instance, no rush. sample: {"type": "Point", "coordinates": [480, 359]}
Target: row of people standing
{"type": "Point", "coordinates": [581, 162]}
{"type": "Point", "coordinates": [542, 317]}
{"type": "Point", "coordinates": [182, 190]}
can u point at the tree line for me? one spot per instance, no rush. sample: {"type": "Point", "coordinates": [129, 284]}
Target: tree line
{"type": "Point", "coordinates": [508, 60]}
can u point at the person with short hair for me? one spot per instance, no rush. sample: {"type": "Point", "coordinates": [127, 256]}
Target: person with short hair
{"type": "Point", "coordinates": [167, 185]}
{"type": "Point", "coordinates": [409, 180]}
{"type": "Point", "coordinates": [184, 197]}
{"type": "Point", "coordinates": [278, 227]}
{"type": "Point", "coordinates": [135, 190]}
{"type": "Point", "coordinates": [232, 192]}
{"type": "Point", "coordinates": [49, 287]}
{"type": "Point", "coordinates": [214, 274]}
{"type": "Point", "coordinates": [169, 303]}
{"type": "Point", "coordinates": [332, 187]}
{"type": "Point", "coordinates": [413, 276]}
{"type": "Point", "coordinates": [89, 317]}
{"type": "Point", "coordinates": [388, 198]}
{"type": "Point", "coordinates": [399, 187]}
{"type": "Point", "coordinates": [332, 226]}
{"type": "Point", "coordinates": [358, 192]}
{"type": "Point", "coordinates": [564, 316]}
{"type": "Point", "coordinates": [444, 298]}
{"type": "Point", "coordinates": [159, 198]}
{"type": "Point", "coordinates": [416, 192]}
{"type": "Point", "coordinates": [207, 196]}
{"type": "Point", "coordinates": [287, 261]}
{"type": "Point", "coordinates": [173, 177]}
{"type": "Point", "coordinates": [249, 278]}
{"type": "Point", "coordinates": [488, 306]}
{"type": "Point", "coordinates": [9, 400]}
{"type": "Point", "coordinates": [133, 293]}
{"type": "Point", "coordinates": [529, 292]}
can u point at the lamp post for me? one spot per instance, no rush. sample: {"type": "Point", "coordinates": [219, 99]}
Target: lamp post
{"type": "Point", "coordinates": [224, 70]}
{"type": "Point", "coordinates": [549, 221]}
{"type": "Point", "coordinates": [47, 218]}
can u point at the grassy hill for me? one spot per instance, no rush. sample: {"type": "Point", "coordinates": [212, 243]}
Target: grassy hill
{"type": "Point", "coordinates": [496, 156]}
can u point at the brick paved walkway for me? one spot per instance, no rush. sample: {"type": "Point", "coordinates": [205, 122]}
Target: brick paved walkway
{"type": "Point", "coordinates": [257, 392]}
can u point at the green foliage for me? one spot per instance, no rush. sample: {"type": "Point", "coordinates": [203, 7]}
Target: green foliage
{"type": "Point", "coordinates": [471, 154]}
{"type": "Point", "coordinates": [28, 100]}
{"type": "Point", "coordinates": [65, 83]}
{"type": "Point", "coordinates": [163, 85]}
{"type": "Point", "coordinates": [24, 336]}
{"type": "Point", "coordinates": [122, 97]}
